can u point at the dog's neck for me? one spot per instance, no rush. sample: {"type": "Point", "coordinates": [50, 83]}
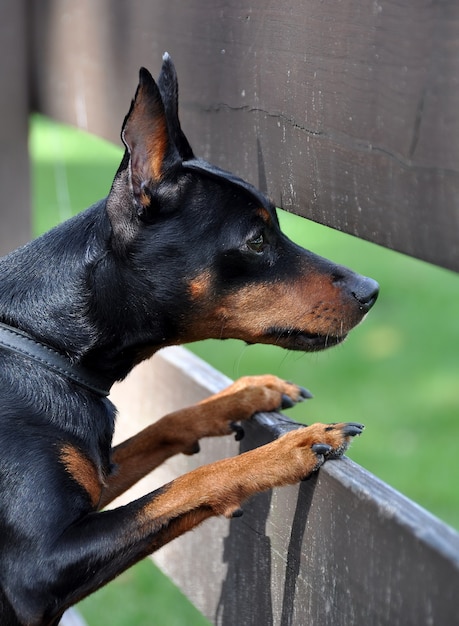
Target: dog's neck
{"type": "Point", "coordinates": [20, 342]}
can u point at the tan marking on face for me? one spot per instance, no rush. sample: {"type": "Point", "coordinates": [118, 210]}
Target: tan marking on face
{"type": "Point", "coordinates": [199, 286]}
{"type": "Point", "coordinates": [83, 471]}
{"type": "Point", "coordinates": [313, 305]}
{"type": "Point", "coordinates": [265, 216]}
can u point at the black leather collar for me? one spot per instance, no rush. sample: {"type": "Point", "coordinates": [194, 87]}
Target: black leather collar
{"type": "Point", "coordinates": [18, 341]}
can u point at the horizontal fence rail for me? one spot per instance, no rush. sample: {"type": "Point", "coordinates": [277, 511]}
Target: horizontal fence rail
{"type": "Point", "coordinates": [347, 113]}
{"type": "Point", "coordinates": [342, 548]}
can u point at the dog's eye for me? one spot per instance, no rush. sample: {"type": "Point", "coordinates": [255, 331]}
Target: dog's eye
{"type": "Point", "coordinates": [256, 244]}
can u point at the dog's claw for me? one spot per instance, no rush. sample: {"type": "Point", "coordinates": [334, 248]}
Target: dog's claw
{"type": "Point", "coordinates": [237, 513]}
{"type": "Point", "coordinates": [287, 402]}
{"type": "Point", "coordinates": [193, 449]}
{"type": "Point", "coordinates": [239, 432]}
{"type": "Point", "coordinates": [321, 448]}
{"type": "Point", "coordinates": [305, 394]}
{"type": "Point", "coordinates": [353, 429]}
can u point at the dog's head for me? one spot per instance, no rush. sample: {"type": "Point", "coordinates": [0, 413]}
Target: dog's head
{"type": "Point", "coordinates": [205, 248]}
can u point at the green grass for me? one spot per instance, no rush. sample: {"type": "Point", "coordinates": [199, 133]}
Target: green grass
{"type": "Point", "coordinates": [142, 596]}
{"type": "Point", "coordinates": [398, 372]}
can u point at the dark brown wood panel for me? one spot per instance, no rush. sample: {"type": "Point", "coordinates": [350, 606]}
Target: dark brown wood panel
{"type": "Point", "coordinates": [14, 159]}
{"type": "Point", "coordinates": [346, 112]}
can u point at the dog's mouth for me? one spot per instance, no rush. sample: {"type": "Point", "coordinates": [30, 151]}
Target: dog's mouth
{"type": "Point", "coordinates": [295, 339]}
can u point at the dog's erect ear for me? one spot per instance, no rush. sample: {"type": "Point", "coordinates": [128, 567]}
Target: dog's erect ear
{"type": "Point", "coordinates": [168, 86]}
{"type": "Point", "coordinates": [145, 133]}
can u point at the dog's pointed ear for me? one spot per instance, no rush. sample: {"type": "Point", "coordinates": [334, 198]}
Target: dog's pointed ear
{"type": "Point", "coordinates": [168, 86]}
{"type": "Point", "coordinates": [151, 149]}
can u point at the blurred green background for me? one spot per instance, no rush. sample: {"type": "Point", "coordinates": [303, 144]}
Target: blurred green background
{"type": "Point", "coordinates": [398, 372]}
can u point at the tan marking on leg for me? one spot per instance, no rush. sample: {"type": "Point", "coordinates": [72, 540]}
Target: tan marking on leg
{"type": "Point", "coordinates": [181, 431]}
{"type": "Point", "coordinates": [220, 488]}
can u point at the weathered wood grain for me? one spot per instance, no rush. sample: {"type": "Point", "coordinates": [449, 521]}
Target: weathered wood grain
{"type": "Point", "coordinates": [345, 112]}
{"type": "Point", "coordinates": [342, 548]}
{"type": "Point", "coordinates": [14, 106]}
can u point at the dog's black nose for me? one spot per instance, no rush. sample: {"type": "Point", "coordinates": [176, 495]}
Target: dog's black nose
{"type": "Point", "coordinates": [365, 291]}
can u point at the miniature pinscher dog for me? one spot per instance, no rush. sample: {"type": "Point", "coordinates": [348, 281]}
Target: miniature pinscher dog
{"type": "Point", "coordinates": [179, 251]}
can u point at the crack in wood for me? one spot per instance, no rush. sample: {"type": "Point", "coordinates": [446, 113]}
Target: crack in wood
{"type": "Point", "coordinates": [342, 139]}
{"type": "Point", "coordinates": [417, 123]}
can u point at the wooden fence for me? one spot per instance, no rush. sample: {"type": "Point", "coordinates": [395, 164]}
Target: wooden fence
{"type": "Point", "coordinates": [342, 549]}
{"type": "Point", "coordinates": [345, 112]}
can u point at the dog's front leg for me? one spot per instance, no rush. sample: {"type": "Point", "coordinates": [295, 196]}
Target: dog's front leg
{"type": "Point", "coordinates": [180, 432]}
{"type": "Point", "coordinates": [102, 545]}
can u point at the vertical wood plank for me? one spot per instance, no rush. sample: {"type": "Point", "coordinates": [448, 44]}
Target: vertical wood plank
{"type": "Point", "coordinates": [14, 108]}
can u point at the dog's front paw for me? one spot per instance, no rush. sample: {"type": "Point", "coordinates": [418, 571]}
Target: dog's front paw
{"type": "Point", "coordinates": [308, 448]}
{"type": "Point", "coordinates": [285, 461]}
{"type": "Point", "coordinates": [222, 413]}
{"type": "Point", "coordinates": [254, 394]}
